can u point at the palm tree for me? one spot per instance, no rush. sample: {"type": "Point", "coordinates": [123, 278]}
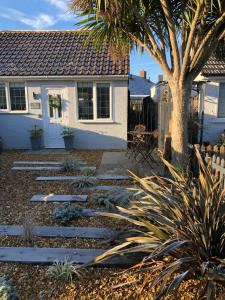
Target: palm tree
{"type": "Point", "coordinates": [179, 35]}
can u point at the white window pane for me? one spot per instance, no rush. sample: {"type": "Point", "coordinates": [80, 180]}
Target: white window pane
{"type": "Point", "coordinates": [221, 104]}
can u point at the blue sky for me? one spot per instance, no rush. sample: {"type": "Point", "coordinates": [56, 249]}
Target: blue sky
{"type": "Point", "coordinates": [53, 14]}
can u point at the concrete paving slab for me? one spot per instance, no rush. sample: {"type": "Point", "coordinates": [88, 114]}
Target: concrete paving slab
{"type": "Point", "coordinates": [59, 198]}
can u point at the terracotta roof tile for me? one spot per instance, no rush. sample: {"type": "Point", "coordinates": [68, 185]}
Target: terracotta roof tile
{"type": "Point", "coordinates": [50, 53]}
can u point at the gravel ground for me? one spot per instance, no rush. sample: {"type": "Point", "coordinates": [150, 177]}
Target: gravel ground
{"type": "Point", "coordinates": [16, 189]}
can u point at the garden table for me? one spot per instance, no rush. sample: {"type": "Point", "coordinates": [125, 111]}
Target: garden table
{"type": "Point", "coordinates": [143, 144]}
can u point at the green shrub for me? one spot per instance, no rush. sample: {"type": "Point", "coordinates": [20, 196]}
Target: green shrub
{"type": "Point", "coordinates": [64, 270]}
{"type": "Point", "coordinates": [66, 213]}
{"type": "Point", "coordinates": [113, 198]}
{"type": "Point", "coordinates": [84, 182]}
{"type": "Point", "coordinates": [181, 232]}
{"type": "Point", "coordinates": [88, 172]}
{"type": "Point", "coordinates": [69, 165]}
{"type": "Point", "coordinates": [67, 131]}
{"type": "Point", "coordinates": [7, 290]}
{"type": "Point", "coordinates": [36, 131]}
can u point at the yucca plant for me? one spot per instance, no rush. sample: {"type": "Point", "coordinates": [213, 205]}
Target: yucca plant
{"type": "Point", "coordinates": [84, 182]}
{"type": "Point", "coordinates": [181, 231]}
{"type": "Point", "coordinates": [64, 270]}
{"type": "Point", "coordinates": [70, 165]}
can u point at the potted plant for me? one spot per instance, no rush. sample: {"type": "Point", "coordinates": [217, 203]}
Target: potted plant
{"type": "Point", "coordinates": [35, 137]}
{"type": "Point", "coordinates": [1, 145]}
{"type": "Point", "coordinates": [67, 135]}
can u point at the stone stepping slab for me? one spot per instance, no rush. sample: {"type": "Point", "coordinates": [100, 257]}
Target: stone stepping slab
{"type": "Point", "coordinates": [29, 255]}
{"type": "Point", "coordinates": [49, 168]}
{"type": "Point", "coordinates": [65, 232]}
{"type": "Point", "coordinates": [106, 188]}
{"type": "Point", "coordinates": [59, 198]}
{"type": "Point", "coordinates": [99, 177]}
{"type": "Point", "coordinates": [57, 163]}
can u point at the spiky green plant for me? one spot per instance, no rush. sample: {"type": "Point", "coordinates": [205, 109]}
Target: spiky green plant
{"type": "Point", "coordinates": [88, 172]}
{"type": "Point", "coordinates": [181, 231]}
{"type": "Point", "coordinates": [113, 198]}
{"type": "Point", "coordinates": [7, 290]}
{"type": "Point", "coordinates": [70, 165]}
{"type": "Point", "coordinates": [66, 213]}
{"type": "Point", "coordinates": [84, 182]}
{"type": "Point", "coordinates": [64, 270]}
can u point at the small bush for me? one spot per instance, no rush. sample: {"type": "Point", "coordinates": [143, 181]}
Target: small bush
{"type": "Point", "coordinates": [64, 270]}
{"type": "Point", "coordinates": [66, 213]}
{"type": "Point", "coordinates": [7, 290]}
{"type": "Point", "coordinates": [113, 198]}
{"type": "Point", "coordinates": [84, 182]}
{"type": "Point", "coordinates": [70, 165]}
{"type": "Point", "coordinates": [88, 172]}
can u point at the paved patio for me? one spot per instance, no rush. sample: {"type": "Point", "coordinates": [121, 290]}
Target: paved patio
{"type": "Point", "coordinates": [119, 163]}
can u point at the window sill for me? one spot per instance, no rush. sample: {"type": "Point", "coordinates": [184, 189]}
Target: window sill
{"type": "Point", "coordinates": [217, 120]}
{"type": "Point", "coordinates": [96, 121]}
{"type": "Point", "coordinates": [14, 112]}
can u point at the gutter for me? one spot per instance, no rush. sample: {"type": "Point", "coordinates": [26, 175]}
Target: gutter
{"type": "Point", "coordinates": [65, 77]}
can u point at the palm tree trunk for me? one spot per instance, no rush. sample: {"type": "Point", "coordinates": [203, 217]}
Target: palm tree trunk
{"type": "Point", "coordinates": [179, 129]}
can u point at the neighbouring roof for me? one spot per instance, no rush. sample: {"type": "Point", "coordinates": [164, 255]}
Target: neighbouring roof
{"type": "Point", "coordinates": [139, 86]}
{"type": "Point", "coordinates": [215, 66]}
{"type": "Point", "coordinates": [55, 53]}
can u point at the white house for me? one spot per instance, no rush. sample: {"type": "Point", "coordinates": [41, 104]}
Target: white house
{"type": "Point", "coordinates": [212, 96]}
{"type": "Point", "coordinates": [90, 87]}
{"type": "Point", "coordinates": [209, 87]}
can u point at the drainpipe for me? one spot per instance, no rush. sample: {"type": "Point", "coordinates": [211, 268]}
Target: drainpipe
{"type": "Point", "coordinates": [201, 98]}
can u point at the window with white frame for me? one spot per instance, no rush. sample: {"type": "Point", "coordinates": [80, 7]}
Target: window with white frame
{"type": "Point", "coordinates": [94, 101]}
{"type": "Point", "coordinates": [85, 100]}
{"type": "Point", "coordinates": [103, 100]}
{"type": "Point", "coordinates": [17, 96]}
{"type": "Point", "coordinates": [12, 97]}
{"type": "Point", "coordinates": [221, 101]}
{"type": "Point", "coordinates": [3, 99]}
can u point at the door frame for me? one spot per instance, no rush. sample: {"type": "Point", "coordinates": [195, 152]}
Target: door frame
{"type": "Point", "coordinates": [45, 108]}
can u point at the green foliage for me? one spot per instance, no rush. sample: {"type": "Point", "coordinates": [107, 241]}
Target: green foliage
{"type": "Point", "coordinates": [84, 182]}
{"type": "Point", "coordinates": [36, 131]}
{"type": "Point", "coordinates": [7, 290]}
{"type": "Point", "coordinates": [88, 172]}
{"type": "Point", "coordinates": [66, 213]}
{"type": "Point", "coordinates": [54, 101]}
{"type": "Point", "coordinates": [64, 270]}
{"type": "Point", "coordinates": [70, 165]}
{"type": "Point", "coordinates": [148, 23]}
{"type": "Point", "coordinates": [181, 231]}
{"type": "Point", "coordinates": [67, 131]}
{"type": "Point", "coordinates": [114, 198]}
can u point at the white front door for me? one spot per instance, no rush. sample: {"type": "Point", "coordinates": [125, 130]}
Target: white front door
{"type": "Point", "coordinates": [55, 116]}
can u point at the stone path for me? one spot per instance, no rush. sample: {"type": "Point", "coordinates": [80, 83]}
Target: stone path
{"type": "Point", "coordinates": [59, 198]}
{"type": "Point", "coordinates": [28, 255]}
{"type": "Point", "coordinates": [50, 255]}
{"type": "Point", "coordinates": [48, 152]}
{"type": "Point", "coordinates": [57, 163]}
{"type": "Point", "coordinates": [114, 163]}
{"type": "Point", "coordinates": [49, 168]}
{"type": "Point", "coordinates": [107, 187]}
{"type": "Point", "coordinates": [57, 231]}
{"type": "Point", "coordinates": [99, 177]}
